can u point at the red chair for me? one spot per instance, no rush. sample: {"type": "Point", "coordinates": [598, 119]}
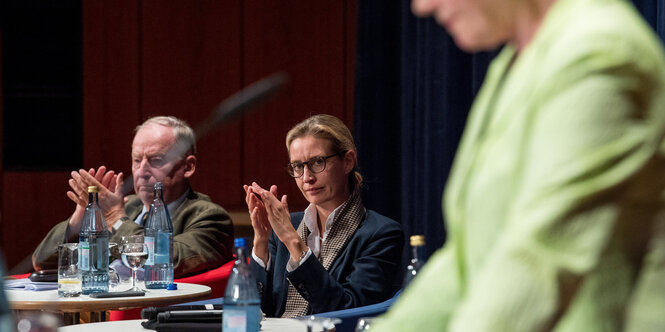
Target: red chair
{"type": "Point", "coordinates": [216, 279]}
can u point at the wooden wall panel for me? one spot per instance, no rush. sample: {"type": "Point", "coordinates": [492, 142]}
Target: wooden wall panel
{"type": "Point", "coordinates": [307, 41]}
{"type": "Point", "coordinates": [32, 203]}
{"type": "Point", "coordinates": [111, 86]}
{"type": "Point", "coordinates": [191, 61]}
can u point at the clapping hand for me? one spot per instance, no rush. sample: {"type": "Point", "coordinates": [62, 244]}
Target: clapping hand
{"type": "Point", "coordinates": [268, 212]}
{"type": "Point", "coordinates": [111, 198]}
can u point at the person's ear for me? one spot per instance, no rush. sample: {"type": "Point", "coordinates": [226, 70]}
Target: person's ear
{"type": "Point", "coordinates": [190, 166]}
{"type": "Point", "coordinates": [349, 161]}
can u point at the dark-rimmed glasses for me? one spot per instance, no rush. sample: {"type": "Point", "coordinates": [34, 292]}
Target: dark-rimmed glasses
{"type": "Point", "coordinates": [315, 165]}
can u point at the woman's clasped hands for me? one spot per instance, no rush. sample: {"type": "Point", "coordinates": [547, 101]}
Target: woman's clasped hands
{"type": "Point", "coordinates": [267, 213]}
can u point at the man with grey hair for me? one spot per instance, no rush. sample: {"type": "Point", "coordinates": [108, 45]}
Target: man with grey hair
{"type": "Point", "coordinates": [163, 150]}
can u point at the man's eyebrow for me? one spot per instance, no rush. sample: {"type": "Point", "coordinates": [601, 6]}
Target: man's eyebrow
{"type": "Point", "coordinates": [153, 155]}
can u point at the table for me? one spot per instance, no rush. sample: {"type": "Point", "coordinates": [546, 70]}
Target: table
{"type": "Point", "coordinates": [71, 306]}
{"type": "Point", "coordinates": [267, 325]}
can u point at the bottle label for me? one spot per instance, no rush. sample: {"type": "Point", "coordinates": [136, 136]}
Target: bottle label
{"type": "Point", "coordinates": [235, 320]}
{"type": "Point", "coordinates": [150, 243]}
{"type": "Point", "coordinates": [84, 256]}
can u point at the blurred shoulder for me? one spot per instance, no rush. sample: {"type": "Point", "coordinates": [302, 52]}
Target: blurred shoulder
{"type": "Point", "coordinates": [575, 29]}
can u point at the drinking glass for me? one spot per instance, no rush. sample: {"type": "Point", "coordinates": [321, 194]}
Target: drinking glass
{"type": "Point", "coordinates": [69, 278]}
{"type": "Point", "coordinates": [134, 253]}
{"type": "Point", "coordinates": [114, 279]}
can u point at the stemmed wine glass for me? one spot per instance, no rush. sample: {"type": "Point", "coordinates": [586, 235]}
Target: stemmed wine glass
{"type": "Point", "coordinates": [134, 253]}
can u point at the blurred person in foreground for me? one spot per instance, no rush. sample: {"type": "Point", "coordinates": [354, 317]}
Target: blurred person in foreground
{"type": "Point", "coordinates": [334, 255]}
{"type": "Point", "coordinates": [163, 149]}
{"type": "Point", "coordinates": [6, 319]}
{"type": "Point", "coordinates": [554, 205]}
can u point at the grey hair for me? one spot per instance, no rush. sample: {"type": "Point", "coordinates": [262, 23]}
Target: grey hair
{"type": "Point", "coordinates": [183, 133]}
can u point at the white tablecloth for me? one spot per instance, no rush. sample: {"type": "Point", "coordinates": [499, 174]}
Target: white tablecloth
{"type": "Point", "coordinates": [268, 325]}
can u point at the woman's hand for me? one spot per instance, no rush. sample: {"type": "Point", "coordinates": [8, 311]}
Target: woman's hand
{"type": "Point", "coordinates": [277, 213]}
{"type": "Point", "coordinates": [260, 222]}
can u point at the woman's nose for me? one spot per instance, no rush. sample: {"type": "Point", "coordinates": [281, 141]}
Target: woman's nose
{"type": "Point", "coordinates": [308, 175]}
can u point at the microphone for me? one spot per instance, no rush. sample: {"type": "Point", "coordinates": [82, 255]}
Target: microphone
{"type": "Point", "coordinates": [152, 312]}
{"type": "Point", "coordinates": [244, 100]}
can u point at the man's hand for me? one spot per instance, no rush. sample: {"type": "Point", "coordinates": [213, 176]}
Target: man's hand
{"type": "Point", "coordinates": [79, 193]}
{"type": "Point", "coordinates": [111, 199]}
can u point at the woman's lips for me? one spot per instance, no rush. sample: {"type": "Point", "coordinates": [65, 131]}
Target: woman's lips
{"type": "Point", "coordinates": [313, 191]}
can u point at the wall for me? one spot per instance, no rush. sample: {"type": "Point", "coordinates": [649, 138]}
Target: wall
{"type": "Point", "coordinates": [144, 58]}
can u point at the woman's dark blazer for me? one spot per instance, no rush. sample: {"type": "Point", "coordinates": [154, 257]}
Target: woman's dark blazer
{"type": "Point", "coordinates": [366, 271]}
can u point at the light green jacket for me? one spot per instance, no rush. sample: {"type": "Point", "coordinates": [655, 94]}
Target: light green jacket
{"type": "Point", "coordinates": [554, 206]}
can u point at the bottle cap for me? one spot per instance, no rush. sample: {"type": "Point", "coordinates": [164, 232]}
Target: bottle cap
{"type": "Point", "coordinates": [92, 189]}
{"type": "Point", "coordinates": [172, 287]}
{"type": "Point", "coordinates": [239, 242]}
{"type": "Point", "coordinates": [417, 240]}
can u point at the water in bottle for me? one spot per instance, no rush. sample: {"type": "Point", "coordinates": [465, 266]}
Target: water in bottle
{"type": "Point", "coordinates": [93, 247]}
{"type": "Point", "coordinates": [159, 238]}
{"type": "Point", "coordinates": [417, 257]}
{"type": "Point", "coordinates": [242, 305]}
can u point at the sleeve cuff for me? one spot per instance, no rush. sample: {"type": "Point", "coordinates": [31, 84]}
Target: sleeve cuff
{"type": "Point", "coordinates": [292, 266]}
{"type": "Point", "coordinates": [119, 222]}
{"type": "Point", "coordinates": [260, 261]}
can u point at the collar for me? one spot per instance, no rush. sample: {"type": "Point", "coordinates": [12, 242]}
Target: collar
{"type": "Point", "coordinates": [171, 207]}
{"type": "Point", "coordinates": [311, 216]}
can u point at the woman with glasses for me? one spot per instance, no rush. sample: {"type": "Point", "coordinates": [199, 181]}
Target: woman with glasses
{"type": "Point", "coordinates": [334, 255]}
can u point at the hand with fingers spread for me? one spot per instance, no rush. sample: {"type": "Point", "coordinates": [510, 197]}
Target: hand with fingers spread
{"type": "Point", "coordinates": [111, 199]}
{"type": "Point", "coordinates": [79, 194]}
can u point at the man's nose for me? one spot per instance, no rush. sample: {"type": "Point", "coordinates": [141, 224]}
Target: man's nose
{"type": "Point", "coordinates": [143, 168]}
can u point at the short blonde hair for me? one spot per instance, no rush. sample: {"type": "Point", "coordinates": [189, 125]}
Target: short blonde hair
{"type": "Point", "coordinates": [183, 133]}
{"type": "Point", "coordinates": [328, 127]}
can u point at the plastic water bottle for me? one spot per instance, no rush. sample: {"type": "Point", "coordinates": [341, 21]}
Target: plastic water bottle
{"type": "Point", "coordinates": [417, 258]}
{"type": "Point", "coordinates": [94, 247]}
{"type": "Point", "coordinates": [159, 238]}
{"type": "Point", "coordinates": [242, 305]}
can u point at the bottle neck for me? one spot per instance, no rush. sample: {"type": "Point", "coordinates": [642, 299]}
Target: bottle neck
{"type": "Point", "coordinates": [241, 255]}
{"type": "Point", "coordinates": [416, 252]}
{"type": "Point", "coordinates": [92, 198]}
{"type": "Point", "coordinates": [158, 195]}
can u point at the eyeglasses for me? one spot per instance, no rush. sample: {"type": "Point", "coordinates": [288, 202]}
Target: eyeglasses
{"type": "Point", "coordinates": [315, 165]}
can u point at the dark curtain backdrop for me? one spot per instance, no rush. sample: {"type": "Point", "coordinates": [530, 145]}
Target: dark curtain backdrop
{"type": "Point", "coordinates": [413, 90]}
